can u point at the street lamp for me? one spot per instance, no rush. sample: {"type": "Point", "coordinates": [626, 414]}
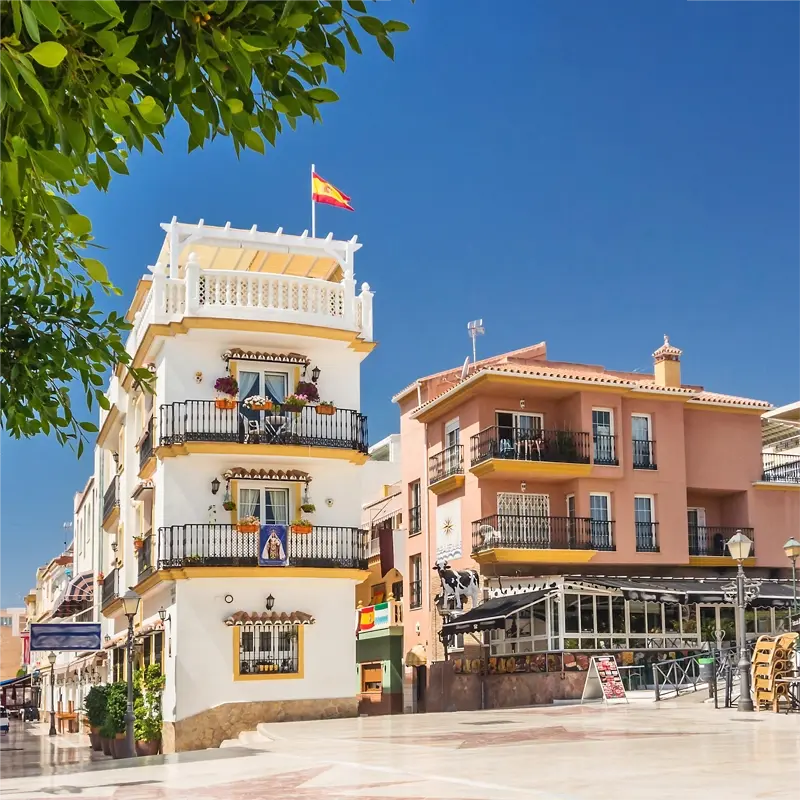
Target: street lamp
{"type": "Point", "coordinates": [739, 546]}
{"type": "Point", "coordinates": [52, 659]}
{"type": "Point", "coordinates": [792, 550]}
{"type": "Point", "coordinates": [130, 605]}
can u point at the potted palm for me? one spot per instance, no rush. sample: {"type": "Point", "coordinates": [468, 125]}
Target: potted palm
{"type": "Point", "coordinates": [248, 524]}
{"type": "Point", "coordinates": [95, 707]}
{"type": "Point", "coordinates": [326, 407]}
{"type": "Point", "coordinates": [147, 711]}
{"type": "Point", "coordinates": [227, 388]}
{"type": "Point", "coordinates": [302, 526]}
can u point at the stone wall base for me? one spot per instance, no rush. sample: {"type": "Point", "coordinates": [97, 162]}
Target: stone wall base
{"type": "Point", "coordinates": [211, 727]}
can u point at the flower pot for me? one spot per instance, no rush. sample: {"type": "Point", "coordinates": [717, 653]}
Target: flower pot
{"type": "Point", "coordinates": [148, 748]}
{"type": "Point", "coordinates": [119, 747]}
{"type": "Point", "coordinates": [225, 402]}
{"type": "Point", "coordinates": [260, 406]}
{"type": "Point", "coordinates": [105, 745]}
{"type": "Point", "coordinates": [247, 528]}
{"type": "Point", "coordinates": [94, 739]}
{"type": "Point", "coordinates": [138, 544]}
{"type": "Point", "coordinates": [302, 528]}
{"type": "Point", "coordinates": [293, 409]}
{"type": "Point", "coordinates": [326, 411]}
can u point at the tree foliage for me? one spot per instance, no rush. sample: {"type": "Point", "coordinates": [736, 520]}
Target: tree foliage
{"type": "Point", "coordinates": [84, 82]}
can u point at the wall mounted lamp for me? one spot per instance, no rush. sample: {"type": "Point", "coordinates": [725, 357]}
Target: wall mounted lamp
{"type": "Point", "coordinates": [270, 603]}
{"type": "Point", "coordinates": [315, 373]}
{"type": "Point", "coordinates": [215, 486]}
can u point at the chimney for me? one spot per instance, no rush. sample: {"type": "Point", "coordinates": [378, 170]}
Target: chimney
{"type": "Point", "coordinates": [667, 364]}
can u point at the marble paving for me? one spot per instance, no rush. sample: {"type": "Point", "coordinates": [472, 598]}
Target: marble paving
{"type": "Point", "coordinates": [651, 751]}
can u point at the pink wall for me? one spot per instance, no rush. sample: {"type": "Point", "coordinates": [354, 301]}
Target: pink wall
{"type": "Point", "coordinates": [775, 515]}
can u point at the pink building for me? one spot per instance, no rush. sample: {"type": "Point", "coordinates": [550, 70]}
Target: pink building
{"type": "Point", "coordinates": [595, 505]}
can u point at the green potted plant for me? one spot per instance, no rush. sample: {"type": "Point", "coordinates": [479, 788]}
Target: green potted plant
{"type": "Point", "coordinates": [116, 706]}
{"type": "Point", "coordinates": [326, 407]}
{"type": "Point", "coordinates": [147, 711]}
{"type": "Point", "coordinates": [308, 508]}
{"type": "Point", "coordinates": [302, 526]}
{"type": "Point", "coordinates": [95, 707]}
{"type": "Point", "coordinates": [295, 403]}
{"type": "Point", "coordinates": [138, 543]}
{"type": "Point", "coordinates": [248, 524]}
{"type": "Point", "coordinates": [227, 388]}
{"type": "Point", "coordinates": [107, 735]}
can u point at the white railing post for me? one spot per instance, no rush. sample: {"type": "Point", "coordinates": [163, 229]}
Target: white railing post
{"type": "Point", "coordinates": [366, 312]}
{"type": "Point", "coordinates": [192, 282]}
{"type": "Point", "coordinates": [159, 296]}
{"type": "Point", "coordinates": [349, 302]}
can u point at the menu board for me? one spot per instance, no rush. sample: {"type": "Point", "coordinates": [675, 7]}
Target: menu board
{"type": "Point", "coordinates": [603, 681]}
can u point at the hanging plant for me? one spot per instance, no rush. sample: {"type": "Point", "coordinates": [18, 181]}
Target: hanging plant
{"type": "Point", "coordinates": [308, 390]}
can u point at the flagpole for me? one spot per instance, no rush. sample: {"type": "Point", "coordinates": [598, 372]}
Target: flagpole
{"type": "Point", "coordinates": [313, 207]}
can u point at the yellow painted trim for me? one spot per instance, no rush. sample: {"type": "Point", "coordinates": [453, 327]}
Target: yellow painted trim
{"type": "Point", "coordinates": [111, 609]}
{"type": "Point", "coordinates": [447, 484]}
{"type": "Point", "coordinates": [753, 412]}
{"type": "Point", "coordinates": [718, 561]}
{"type": "Point", "coordinates": [506, 555]}
{"type": "Point", "coordinates": [512, 467]}
{"type": "Point", "coordinates": [259, 326]}
{"type": "Point", "coordinates": [148, 468]}
{"type": "Point", "coordinates": [235, 498]}
{"type": "Point", "coordinates": [142, 288]}
{"type": "Point", "coordinates": [110, 522]}
{"type": "Point", "coordinates": [772, 486]}
{"type": "Point", "coordinates": [187, 573]}
{"type": "Point", "coordinates": [270, 676]}
{"type": "Point", "coordinates": [239, 449]}
{"type": "Point", "coordinates": [153, 579]}
{"type": "Point", "coordinates": [108, 425]}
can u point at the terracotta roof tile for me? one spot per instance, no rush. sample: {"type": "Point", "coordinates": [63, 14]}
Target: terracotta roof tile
{"type": "Point", "coordinates": [270, 618]}
{"type": "Point", "coordinates": [265, 474]}
{"type": "Point", "coordinates": [729, 400]}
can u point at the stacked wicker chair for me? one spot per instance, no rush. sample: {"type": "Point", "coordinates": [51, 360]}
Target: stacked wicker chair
{"type": "Point", "coordinates": [773, 658]}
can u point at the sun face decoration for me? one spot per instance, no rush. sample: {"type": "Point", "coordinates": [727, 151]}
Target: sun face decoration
{"type": "Point", "coordinates": [448, 526]}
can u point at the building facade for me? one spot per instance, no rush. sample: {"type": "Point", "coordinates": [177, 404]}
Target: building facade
{"type": "Point", "coordinates": [568, 487]}
{"type": "Point", "coordinates": [12, 624]}
{"type": "Point", "coordinates": [231, 490]}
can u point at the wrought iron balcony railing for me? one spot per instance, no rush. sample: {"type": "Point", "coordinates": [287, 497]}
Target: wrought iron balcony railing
{"type": "Point", "coordinates": [146, 445]}
{"type": "Point", "coordinates": [111, 497]}
{"type": "Point", "coordinates": [110, 587]}
{"type": "Point", "coordinates": [605, 449]}
{"type": "Point", "coordinates": [449, 462]}
{"type": "Point", "coordinates": [781, 468]}
{"type": "Point", "coordinates": [415, 594]}
{"type": "Point", "coordinates": [144, 556]}
{"type": "Point", "coordinates": [225, 546]}
{"type": "Point", "coordinates": [647, 537]}
{"type": "Point", "coordinates": [710, 540]}
{"type": "Point", "coordinates": [541, 533]}
{"type": "Point", "coordinates": [644, 454]}
{"type": "Point", "coordinates": [526, 444]}
{"type": "Point", "coordinates": [203, 421]}
{"type": "Point", "coordinates": [415, 519]}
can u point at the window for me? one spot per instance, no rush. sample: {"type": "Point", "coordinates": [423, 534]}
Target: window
{"type": "Point", "coordinates": [371, 678]}
{"type": "Point", "coordinates": [513, 428]}
{"type": "Point", "coordinates": [603, 436]}
{"type": "Point", "coordinates": [5, 622]}
{"type": "Point", "coordinates": [268, 505]}
{"type": "Point", "coordinates": [524, 632]}
{"type": "Point", "coordinates": [397, 590]}
{"type": "Point", "coordinates": [642, 439]}
{"type": "Point", "coordinates": [268, 651]}
{"type": "Point", "coordinates": [415, 500]}
{"type": "Point", "coordinates": [415, 583]}
{"type": "Point", "coordinates": [274, 385]}
{"type": "Point", "coordinates": [158, 648]}
{"type": "Point", "coordinates": [600, 520]}
{"type": "Point", "coordinates": [524, 518]}
{"type": "Point", "coordinates": [643, 521]}
{"type": "Point", "coordinates": [699, 542]}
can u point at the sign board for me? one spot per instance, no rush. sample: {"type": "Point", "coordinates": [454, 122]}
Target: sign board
{"type": "Point", "coordinates": [272, 546]}
{"type": "Point", "coordinates": [65, 636]}
{"type": "Point", "coordinates": [603, 681]}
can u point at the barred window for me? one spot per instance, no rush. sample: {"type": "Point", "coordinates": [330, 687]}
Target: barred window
{"type": "Point", "coordinates": [270, 649]}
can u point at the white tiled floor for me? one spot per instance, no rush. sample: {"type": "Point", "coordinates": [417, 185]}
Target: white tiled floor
{"type": "Point", "coordinates": [678, 750]}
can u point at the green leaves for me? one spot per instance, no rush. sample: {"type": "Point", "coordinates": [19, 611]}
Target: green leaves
{"type": "Point", "coordinates": [95, 270]}
{"type": "Point", "coordinates": [79, 224]}
{"type": "Point", "coordinates": [322, 95]}
{"type": "Point", "coordinates": [254, 141]}
{"type": "Point", "coordinates": [49, 54]}
{"type": "Point", "coordinates": [56, 166]}
{"type": "Point", "coordinates": [151, 111]}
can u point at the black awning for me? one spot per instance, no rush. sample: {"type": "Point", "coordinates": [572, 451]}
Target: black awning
{"type": "Point", "coordinates": [493, 613]}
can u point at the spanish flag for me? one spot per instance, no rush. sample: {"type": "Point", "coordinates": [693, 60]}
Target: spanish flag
{"type": "Point", "coordinates": [324, 192]}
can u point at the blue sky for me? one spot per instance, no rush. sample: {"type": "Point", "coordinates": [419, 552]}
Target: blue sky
{"type": "Point", "coordinates": [590, 174]}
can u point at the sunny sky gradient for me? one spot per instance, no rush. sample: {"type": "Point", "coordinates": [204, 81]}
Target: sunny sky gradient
{"type": "Point", "coordinates": [591, 174]}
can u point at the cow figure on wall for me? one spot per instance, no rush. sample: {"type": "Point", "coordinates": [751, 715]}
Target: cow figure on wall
{"type": "Point", "coordinates": [458, 584]}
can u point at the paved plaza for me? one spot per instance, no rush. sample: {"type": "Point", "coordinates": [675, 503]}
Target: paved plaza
{"type": "Point", "coordinates": [669, 750]}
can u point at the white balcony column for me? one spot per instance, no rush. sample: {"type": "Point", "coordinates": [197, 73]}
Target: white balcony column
{"type": "Point", "coordinates": [366, 312]}
{"type": "Point", "coordinates": [174, 248]}
{"type": "Point", "coordinates": [349, 302]}
{"type": "Point", "coordinates": [192, 281]}
{"type": "Point", "coordinates": [159, 292]}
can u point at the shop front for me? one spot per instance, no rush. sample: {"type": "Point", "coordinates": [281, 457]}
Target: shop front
{"type": "Point", "coordinates": [553, 625]}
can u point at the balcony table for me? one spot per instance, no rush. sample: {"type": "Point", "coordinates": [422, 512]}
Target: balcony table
{"type": "Point", "coordinates": [794, 692]}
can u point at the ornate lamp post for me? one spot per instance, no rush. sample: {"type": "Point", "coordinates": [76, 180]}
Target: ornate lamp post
{"type": "Point", "coordinates": [130, 605]}
{"type": "Point", "coordinates": [52, 659]}
{"type": "Point", "coordinates": [743, 592]}
{"type": "Point", "coordinates": [792, 550]}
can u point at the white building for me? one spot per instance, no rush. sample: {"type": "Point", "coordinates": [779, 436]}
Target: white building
{"type": "Point", "coordinates": [780, 434]}
{"type": "Point", "coordinates": [180, 470]}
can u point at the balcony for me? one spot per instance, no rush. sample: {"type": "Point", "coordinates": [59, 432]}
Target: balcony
{"type": "Point", "coordinates": [111, 505]}
{"type": "Point", "coordinates": [512, 533]}
{"type": "Point", "coordinates": [605, 450]}
{"type": "Point", "coordinates": [224, 546]}
{"type": "Point", "coordinates": [186, 424]}
{"type": "Point", "coordinates": [144, 557]}
{"type": "Point", "coordinates": [647, 537]}
{"type": "Point", "coordinates": [414, 519]}
{"type": "Point", "coordinates": [110, 588]}
{"type": "Point", "coordinates": [446, 469]}
{"type": "Point", "coordinates": [644, 454]}
{"type": "Point", "coordinates": [523, 452]}
{"type": "Point", "coordinates": [146, 461]}
{"type": "Point", "coordinates": [780, 468]}
{"type": "Point", "coordinates": [708, 545]}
